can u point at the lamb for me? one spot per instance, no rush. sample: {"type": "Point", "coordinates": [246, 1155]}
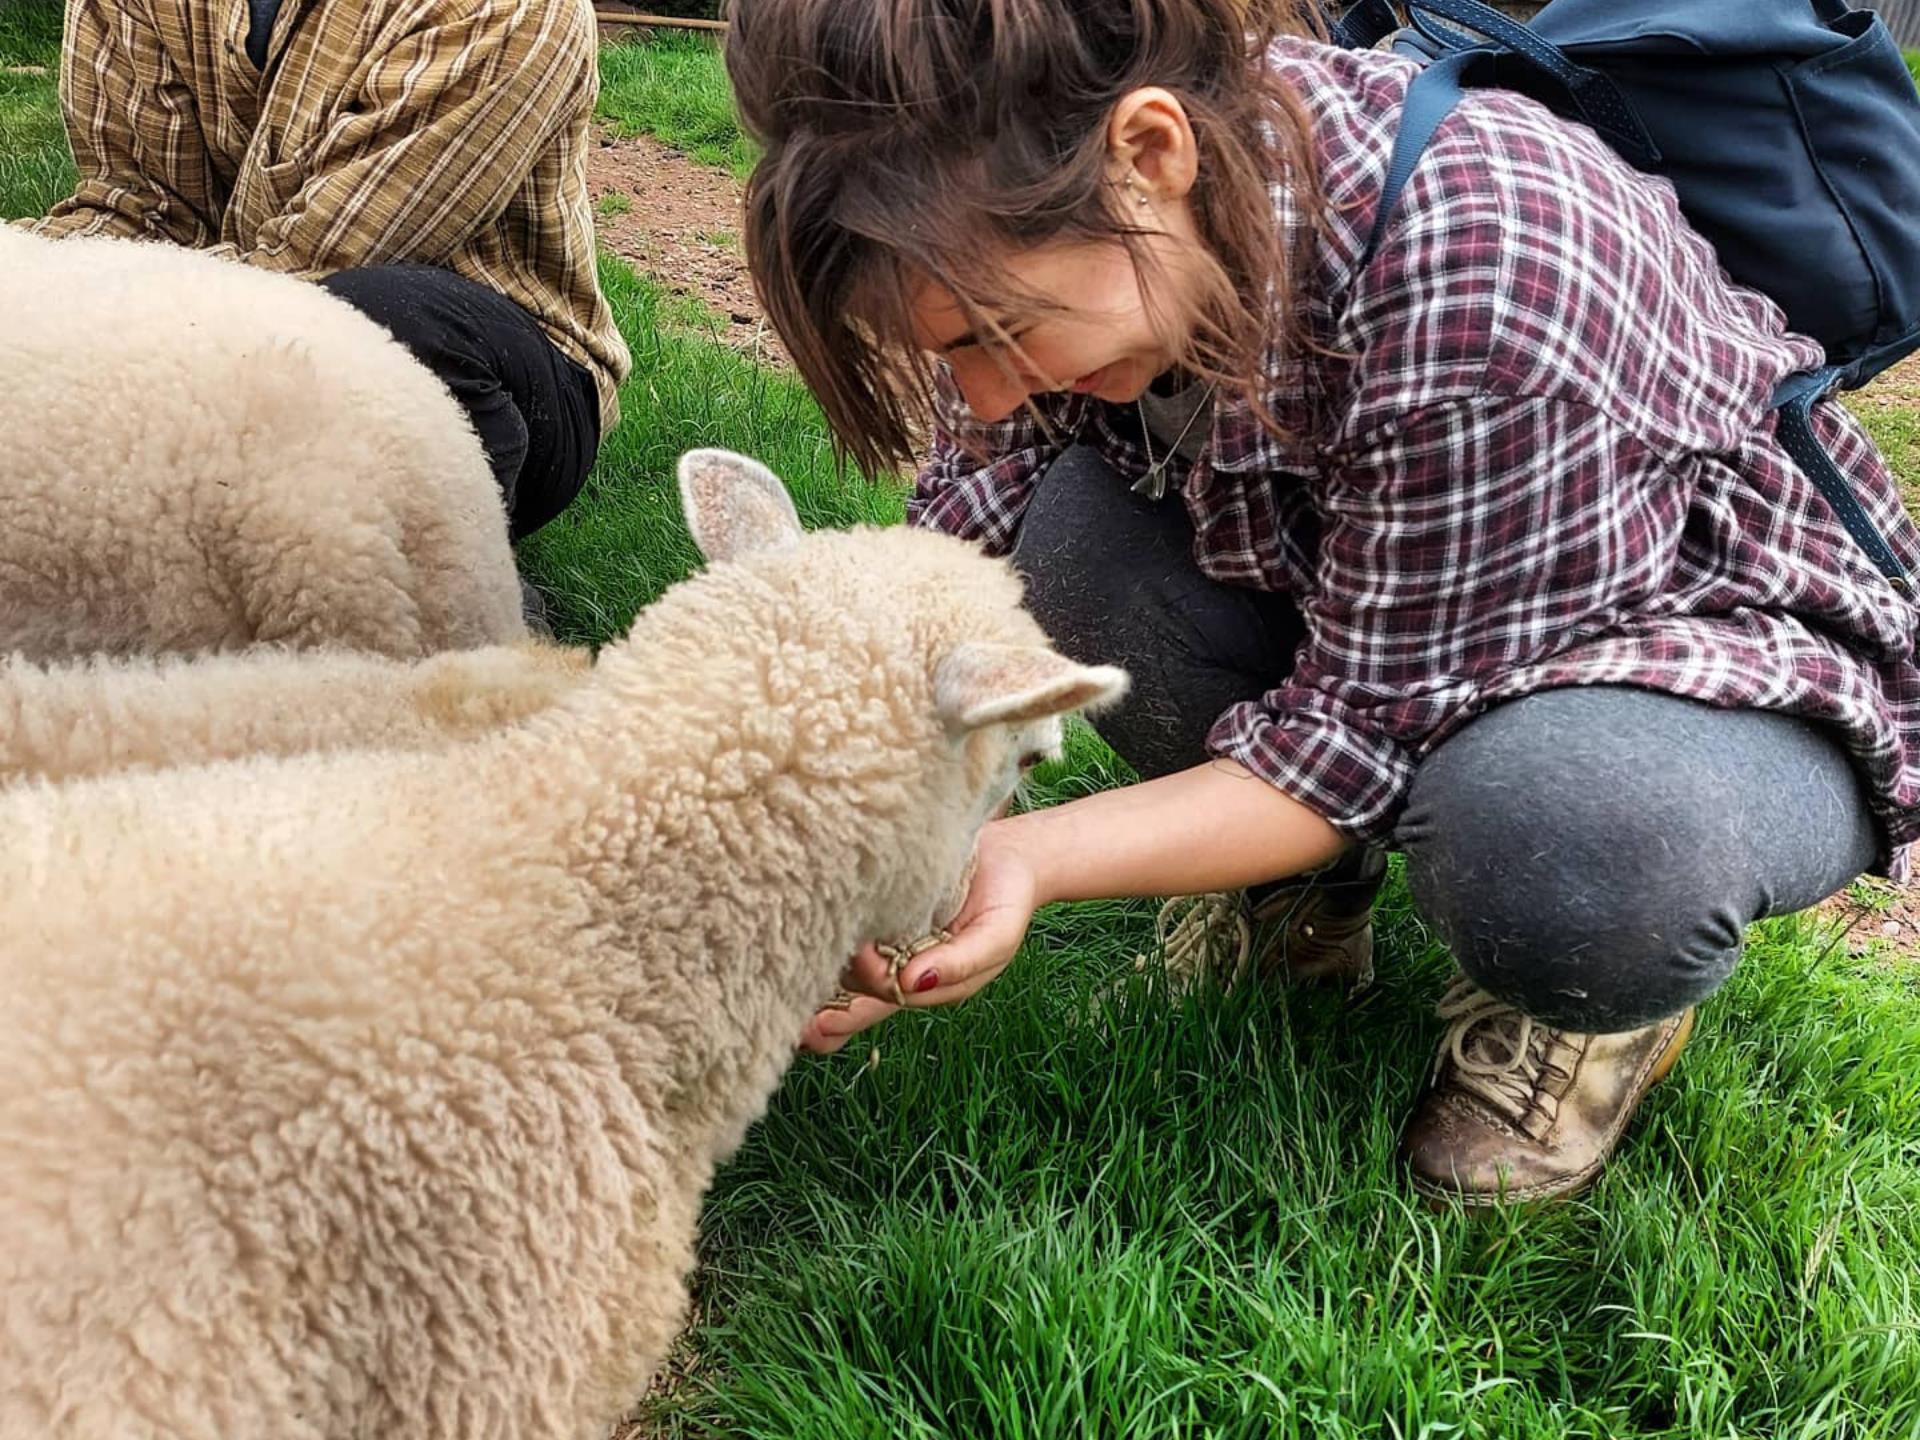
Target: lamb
{"type": "Point", "coordinates": [376, 1093]}
{"type": "Point", "coordinates": [67, 722]}
{"type": "Point", "coordinates": [203, 455]}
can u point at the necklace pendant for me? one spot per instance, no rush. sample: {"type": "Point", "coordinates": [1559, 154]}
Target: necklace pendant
{"type": "Point", "coordinates": [1153, 484]}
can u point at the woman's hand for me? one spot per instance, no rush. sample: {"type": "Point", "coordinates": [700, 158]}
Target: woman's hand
{"type": "Point", "coordinates": [987, 934]}
{"type": "Point", "coordinates": [829, 1030]}
{"type": "Point", "coordinates": [1214, 827]}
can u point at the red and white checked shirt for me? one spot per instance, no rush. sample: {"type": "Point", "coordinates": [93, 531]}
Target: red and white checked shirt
{"type": "Point", "coordinates": [1538, 454]}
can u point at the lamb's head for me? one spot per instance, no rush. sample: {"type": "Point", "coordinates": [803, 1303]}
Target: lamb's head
{"type": "Point", "coordinates": [925, 677]}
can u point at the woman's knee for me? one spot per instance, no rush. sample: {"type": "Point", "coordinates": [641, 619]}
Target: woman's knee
{"type": "Point", "coordinates": [1577, 872]}
{"type": "Point", "coordinates": [1083, 537]}
{"type": "Point", "coordinates": [1111, 578]}
{"type": "Point", "coordinates": [1581, 960]}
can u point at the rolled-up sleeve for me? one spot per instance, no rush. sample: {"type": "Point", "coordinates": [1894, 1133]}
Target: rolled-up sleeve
{"type": "Point", "coordinates": [1462, 543]}
{"type": "Point", "coordinates": [134, 128]}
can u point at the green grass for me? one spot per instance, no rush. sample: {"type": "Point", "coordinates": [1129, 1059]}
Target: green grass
{"type": "Point", "coordinates": [673, 87]}
{"type": "Point", "coordinates": [35, 166]}
{"type": "Point", "coordinates": [1044, 1214]}
{"type": "Point", "coordinates": [616, 547]}
{"type": "Point", "coordinates": [1913, 64]}
{"type": "Point", "coordinates": [30, 32]}
{"type": "Point", "coordinates": [1183, 1218]}
{"type": "Point", "coordinates": [1185, 1221]}
{"type": "Point", "coordinates": [1897, 433]}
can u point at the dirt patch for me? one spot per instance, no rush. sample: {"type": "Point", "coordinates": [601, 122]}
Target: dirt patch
{"type": "Point", "coordinates": [1894, 389]}
{"type": "Point", "coordinates": [679, 221]}
{"type": "Point", "coordinates": [1879, 918]}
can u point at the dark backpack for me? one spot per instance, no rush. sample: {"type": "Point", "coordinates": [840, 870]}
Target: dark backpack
{"type": "Point", "coordinates": [1790, 130]}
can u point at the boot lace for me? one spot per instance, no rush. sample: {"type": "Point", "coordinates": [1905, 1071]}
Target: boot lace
{"type": "Point", "coordinates": [1197, 935]}
{"type": "Point", "coordinates": [1498, 1053]}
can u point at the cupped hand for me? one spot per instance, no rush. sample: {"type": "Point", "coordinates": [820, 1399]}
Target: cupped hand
{"type": "Point", "coordinates": [987, 933]}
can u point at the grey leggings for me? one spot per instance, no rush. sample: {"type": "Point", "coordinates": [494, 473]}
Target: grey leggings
{"type": "Point", "coordinates": [1592, 856]}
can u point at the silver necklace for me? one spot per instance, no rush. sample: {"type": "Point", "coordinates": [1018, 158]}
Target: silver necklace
{"type": "Point", "coordinates": [1153, 484]}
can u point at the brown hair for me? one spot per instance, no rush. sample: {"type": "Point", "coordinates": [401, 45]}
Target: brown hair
{"type": "Point", "coordinates": [928, 139]}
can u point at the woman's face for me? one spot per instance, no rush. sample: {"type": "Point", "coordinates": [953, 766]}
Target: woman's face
{"type": "Point", "coordinates": [1097, 338]}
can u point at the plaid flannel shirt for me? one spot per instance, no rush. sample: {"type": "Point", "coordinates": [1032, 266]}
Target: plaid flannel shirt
{"type": "Point", "coordinates": [1536, 452]}
{"type": "Point", "coordinates": [454, 134]}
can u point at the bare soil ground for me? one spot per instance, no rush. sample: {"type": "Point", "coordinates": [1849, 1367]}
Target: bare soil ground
{"type": "Point", "coordinates": [679, 221]}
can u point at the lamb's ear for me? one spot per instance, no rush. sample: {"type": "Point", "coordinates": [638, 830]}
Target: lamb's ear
{"type": "Point", "coordinates": [735, 505]}
{"type": "Point", "coordinates": [979, 684]}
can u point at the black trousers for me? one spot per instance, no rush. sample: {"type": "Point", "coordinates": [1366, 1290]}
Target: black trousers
{"type": "Point", "coordinates": [1592, 856]}
{"type": "Point", "coordinates": [536, 411]}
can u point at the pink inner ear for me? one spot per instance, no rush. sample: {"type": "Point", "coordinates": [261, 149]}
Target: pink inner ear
{"type": "Point", "coordinates": [731, 513]}
{"type": "Point", "coordinates": [987, 684]}
{"type": "Point", "coordinates": [1007, 674]}
{"type": "Point", "coordinates": [1007, 671]}
{"type": "Point", "coordinates": [707, 487]}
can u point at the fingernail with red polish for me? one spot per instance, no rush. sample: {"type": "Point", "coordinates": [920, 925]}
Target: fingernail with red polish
{"type": "Point", "coordinates": [926, 982]}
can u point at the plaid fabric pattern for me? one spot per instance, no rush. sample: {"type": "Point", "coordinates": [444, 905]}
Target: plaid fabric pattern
{"type": "Point", "coordinates": [1534, 453]}
{"type": "Point", "coordinates": [454, 134]}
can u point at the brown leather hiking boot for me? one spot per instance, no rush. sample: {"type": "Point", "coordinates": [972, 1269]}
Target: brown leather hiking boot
{"type": "Point", "coordinates": [1324, 922]}
{"type": "Point", "coordinates": [1321, 928]}
{"type": "Point", "coordinates": [1518, 1111]}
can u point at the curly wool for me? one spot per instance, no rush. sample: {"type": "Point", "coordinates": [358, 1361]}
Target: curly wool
{"type": "Point", "coordinates": [96, 717]}
{"type": "Point", "coordinates": [204, 455]}
{"type": "Point", "coordinates": [375, 1094]}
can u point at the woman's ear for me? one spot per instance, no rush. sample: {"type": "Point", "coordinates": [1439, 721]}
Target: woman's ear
{"type": "Point", "coordinates": [1151, 142]}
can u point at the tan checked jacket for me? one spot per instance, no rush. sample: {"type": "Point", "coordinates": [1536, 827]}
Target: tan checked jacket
{"type": "Point", "coordinates": [453, 132]}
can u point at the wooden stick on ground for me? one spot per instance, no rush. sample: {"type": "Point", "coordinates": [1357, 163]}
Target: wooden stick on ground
{"type": "Point", "coordinates": [607, 15]}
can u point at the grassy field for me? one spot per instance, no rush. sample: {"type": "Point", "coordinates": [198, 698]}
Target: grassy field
{"type": "Point", "coordinates": [670, 86]}
{"type": "Point", "coordinates": [1047, 1214]}
{"type": "Point", "coordinates": [615, 548]}
{"type": "Point", "coordinates": [35, 168]}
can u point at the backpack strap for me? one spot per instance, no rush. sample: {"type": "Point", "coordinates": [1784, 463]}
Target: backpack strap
{"type": "Point", "coordinates": [1430, 99]}
{"type": "Point", "coordinates": [1794, 400]}
{"type": "Point", "coordinates": [1597, 98]}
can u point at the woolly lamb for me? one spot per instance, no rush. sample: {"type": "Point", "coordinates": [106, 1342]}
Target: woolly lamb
{"type": "Point", "coordinates": [66, 722]}
{"type": "Point", "coordinates": [201, 455]}
{"type": "Point", "coordinates": [375, 1094]}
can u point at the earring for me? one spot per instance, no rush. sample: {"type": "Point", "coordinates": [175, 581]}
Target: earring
{"type": "Point", "coordinates": [1139, 195]}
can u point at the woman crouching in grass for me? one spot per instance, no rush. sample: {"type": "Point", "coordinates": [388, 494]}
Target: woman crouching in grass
{"type": "Point", "coordinates": [1484, 551]}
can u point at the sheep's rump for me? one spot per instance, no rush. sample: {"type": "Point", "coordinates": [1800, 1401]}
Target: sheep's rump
{"type": "Point", "coordinates": [196, 454]}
